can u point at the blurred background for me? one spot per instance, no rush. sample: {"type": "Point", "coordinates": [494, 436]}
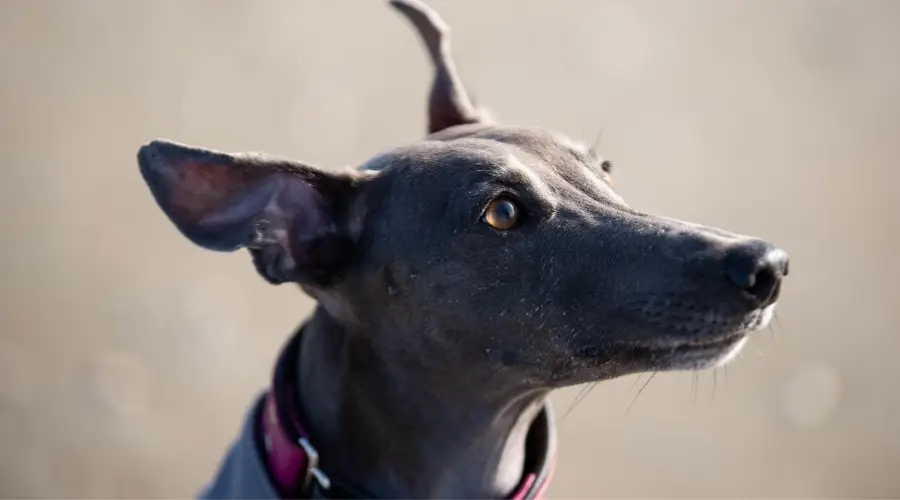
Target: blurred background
{"type": "Point", "coordinates": [128, 356]}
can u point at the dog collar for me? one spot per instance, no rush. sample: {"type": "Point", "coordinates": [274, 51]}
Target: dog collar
{"type": "Point", "coordinates": [293, 462]}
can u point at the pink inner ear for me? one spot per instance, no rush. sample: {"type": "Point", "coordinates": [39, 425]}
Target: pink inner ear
{"type": "Point", "coordinates": [199, 189]}
{"type": "Point", "coordinates": [225, 202]}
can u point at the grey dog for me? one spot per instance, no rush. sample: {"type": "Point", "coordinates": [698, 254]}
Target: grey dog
{"type": "Point", "coordinates": [459, 279]}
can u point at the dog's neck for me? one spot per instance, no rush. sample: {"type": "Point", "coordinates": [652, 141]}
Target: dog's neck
{"type": "Point", "coordinates": [386, 429]}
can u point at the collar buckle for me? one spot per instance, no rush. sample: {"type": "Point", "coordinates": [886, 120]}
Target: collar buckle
{"type": "Point", "coordinates": [313, 472]}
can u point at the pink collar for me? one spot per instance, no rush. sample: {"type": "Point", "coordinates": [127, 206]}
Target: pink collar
{"type": "Point", "coordinates": [293, 462]}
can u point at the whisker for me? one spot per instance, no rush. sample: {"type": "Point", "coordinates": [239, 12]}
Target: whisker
{"type": "Point", "coordinates": [640, 391]}
{"type": "Point", "coordinates": [587, 393]}
{"type": "Point", "coordinates": [578, 397]}
{"type": "Point", "coordinates": [715, 382]}
{"type": "Point", "coordinates": [695, 387]}
{"type": "Point", "coordinates": [777, 321]}
{"type": "Point", "coordinates": [597, 140]}
{"type": "Point", "coordinates": [636, 380]}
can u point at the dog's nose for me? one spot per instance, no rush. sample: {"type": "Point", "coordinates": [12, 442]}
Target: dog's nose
{"type": "Point", "coordinates": [757, 267]}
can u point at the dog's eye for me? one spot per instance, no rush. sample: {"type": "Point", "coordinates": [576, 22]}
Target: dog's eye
{"type": "Point", "coordinates": [606, 166]}
{"type": "Point", "coordinates": [502, 214]}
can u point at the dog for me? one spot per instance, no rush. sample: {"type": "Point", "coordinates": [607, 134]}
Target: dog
{"type": "Point", "coordinates": [459, 280]}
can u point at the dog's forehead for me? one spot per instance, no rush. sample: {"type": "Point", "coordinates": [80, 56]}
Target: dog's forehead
{"type": "Point", "coordinates": [552, 147]}
{"type": "Point", "coordinates": [462, 160]}
{"type": "Point", "coordinates": [492, 149]}
{"type": "Point", "coordinates": [540, 142]}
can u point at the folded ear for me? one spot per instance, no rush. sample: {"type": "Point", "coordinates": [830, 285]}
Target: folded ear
{"type": "Point", "coordinates": [449, 104]}
{"type": "Point", "coordinates": [289, 215]}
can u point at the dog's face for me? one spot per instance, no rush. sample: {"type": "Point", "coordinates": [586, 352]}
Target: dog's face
{"type": "Point", "coordinates": [499, 251]}
{"type": "Point", "coordinates": [508, 247]}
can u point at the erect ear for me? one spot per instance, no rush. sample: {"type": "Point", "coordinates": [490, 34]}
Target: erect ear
{"type": "Point", "coordinates": [449, 104]}
{"type": "Point", "coordinates": [290, 216]}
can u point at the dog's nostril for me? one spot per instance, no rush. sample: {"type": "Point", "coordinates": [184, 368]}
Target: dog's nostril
{"type": "Point", "coordinates": [764, 282]}
{"type": "Point", "coordinates": [757, 268]}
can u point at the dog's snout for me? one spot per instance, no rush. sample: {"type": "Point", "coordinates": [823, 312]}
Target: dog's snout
{"type": "Point", "coordinates": [757, 267]}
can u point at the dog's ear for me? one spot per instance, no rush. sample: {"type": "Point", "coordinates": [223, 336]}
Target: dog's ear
{"type": "Point", "coordinates": [448, 104]}
{"type": "Point", "coordinates": [288, 215]}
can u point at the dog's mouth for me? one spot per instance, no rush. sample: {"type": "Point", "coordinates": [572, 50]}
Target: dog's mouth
{"type": "Point", "coordinates": [693, 354]}
{"type": "Point", "coordinates": [712, 349]}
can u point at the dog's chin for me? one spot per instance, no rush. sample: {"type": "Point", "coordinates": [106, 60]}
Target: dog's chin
{"type": "Point", "coordinates": [712, 351]}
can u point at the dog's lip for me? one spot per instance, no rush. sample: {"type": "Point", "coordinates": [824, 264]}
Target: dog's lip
{"type": "Point", "coordinates": [696, 344]}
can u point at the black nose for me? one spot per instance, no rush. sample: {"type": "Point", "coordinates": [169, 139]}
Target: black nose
{"type": "Point", "coordinates": [757, 268]}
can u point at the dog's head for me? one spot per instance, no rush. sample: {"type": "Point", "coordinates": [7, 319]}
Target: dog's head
{"type": "Point", "coordinates": [488, 248]}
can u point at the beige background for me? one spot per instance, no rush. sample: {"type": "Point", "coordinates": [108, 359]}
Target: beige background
{"type": "Point", "coordinates": [128, 356]}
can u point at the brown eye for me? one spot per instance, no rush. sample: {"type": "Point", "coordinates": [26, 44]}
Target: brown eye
{"type": "Point", "coordinates": [502, 214]}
